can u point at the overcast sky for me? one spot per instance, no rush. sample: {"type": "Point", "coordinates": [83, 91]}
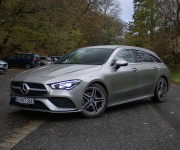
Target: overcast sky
{"type": "Point", "coordinates": [127, 10]}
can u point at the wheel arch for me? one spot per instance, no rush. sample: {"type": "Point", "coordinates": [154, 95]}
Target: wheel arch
{"type": "Point", "coordinates": [163, 76]}
{"type": "Point", "coordinates": [100, 83]}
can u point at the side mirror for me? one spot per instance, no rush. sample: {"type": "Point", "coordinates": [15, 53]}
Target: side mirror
{"type": "Point", "coordinates": [120, 63]}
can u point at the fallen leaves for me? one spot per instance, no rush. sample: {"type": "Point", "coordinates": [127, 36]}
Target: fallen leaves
{"type": "Point", "coordinates": [172, 113]}
{"type": "Point", "coordinates": [145, 123]}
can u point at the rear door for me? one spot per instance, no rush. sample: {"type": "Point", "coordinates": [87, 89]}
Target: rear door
{"type": "Point", "coordinates": [148, 72]}
{"type": "Point", "coordinates": [125, 80]}
{"type": "Point", "coordinates": [20, 60]}
{"type": "Point", "coordinates": [28, 59]}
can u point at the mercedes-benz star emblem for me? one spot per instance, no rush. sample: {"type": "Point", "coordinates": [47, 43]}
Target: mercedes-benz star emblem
{"type": "Point", "coordinates": [24, 88]}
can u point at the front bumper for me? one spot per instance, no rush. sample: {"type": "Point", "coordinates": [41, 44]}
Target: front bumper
{"type": "Point", "coordinates": [52, 105]}
{"type": "Point", "coordinates": [55, 101]}
{"type": "Point", "coordinates": [3, 69]}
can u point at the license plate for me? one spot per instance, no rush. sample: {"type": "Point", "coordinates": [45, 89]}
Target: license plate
{"type": "Point", "coordinates": [24, 100]}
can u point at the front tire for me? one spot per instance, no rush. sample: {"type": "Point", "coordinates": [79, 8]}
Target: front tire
{"type": "Point", "coordinates": [160, 92]}
{"type": "Point", "coordinates": [94, 101]}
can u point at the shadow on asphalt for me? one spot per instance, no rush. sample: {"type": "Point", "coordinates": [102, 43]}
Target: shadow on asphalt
{"type": "Point", "coordinates": [2, 73]}
{"type": "Point", "coordinates": [33, 115]}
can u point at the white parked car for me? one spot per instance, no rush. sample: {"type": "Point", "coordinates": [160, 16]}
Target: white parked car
{"type": "Point", "coordinates": [44, 60]}
{"type": "Point", "coordinates": [3, 66]}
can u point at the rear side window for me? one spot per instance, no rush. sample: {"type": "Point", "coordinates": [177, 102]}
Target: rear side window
{"type": "Point", "coordinates": [28, 56]}
{"type": "Point", "coordinates": [142, 56]}
{"type": "Point", "coordinates": [127, 55]}
{"type": "Point", "coordinates": [155, 59]}
{"type": "Point", "coordinates": [21, 56]}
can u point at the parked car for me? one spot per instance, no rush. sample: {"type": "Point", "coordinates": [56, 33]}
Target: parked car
{"type": "Point", "coordinates": [44, 60]}
{"type": "Point", "coordinates": [23, 60]}
{"type": "Point", "coordinates": [55, 58]}
{"type": "Point", "coordinates": [3, 66]}
{"type": "Point", "coordinates": [88, 80]}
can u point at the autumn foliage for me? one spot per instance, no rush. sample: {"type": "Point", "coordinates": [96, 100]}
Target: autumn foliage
{"type": "Point", "coordinates": [156, 26]}
{"type": "Point", "coordinates": [57, 26]}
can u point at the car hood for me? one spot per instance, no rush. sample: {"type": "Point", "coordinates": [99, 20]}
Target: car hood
{"type": "Point", "coordinates": [42, 74]}
{"type": "Point", "coordinates": [2, 62]}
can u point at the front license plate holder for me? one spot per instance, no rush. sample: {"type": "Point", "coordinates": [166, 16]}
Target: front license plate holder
{"type": "Point", "coordinates": [24, 100]}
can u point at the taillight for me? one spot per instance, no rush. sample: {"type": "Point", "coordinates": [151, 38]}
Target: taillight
{"type": "Point", "coordinates": [49, 60]}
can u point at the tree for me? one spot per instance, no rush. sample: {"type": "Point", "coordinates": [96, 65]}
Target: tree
{"type": "Point", "coordinates": [145, 22]}
{"type": "Point", "coordinates": [57, 27]}
{"type": "Point", "coordinates": [156, 25]}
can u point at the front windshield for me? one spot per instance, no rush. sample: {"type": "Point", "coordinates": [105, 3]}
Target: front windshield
{"type": "Point", "coordinates": [89, 56]}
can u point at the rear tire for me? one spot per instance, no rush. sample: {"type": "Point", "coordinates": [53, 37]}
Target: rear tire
{"type": "Point", "coordinates": [160, 90]}
{"type": "Point", "coordinates": [94, 101]}
{"type": "Point", "coordinates": [28, 66]}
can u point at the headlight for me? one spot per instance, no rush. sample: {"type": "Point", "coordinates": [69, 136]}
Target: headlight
{"type": "Point", "coordinates": [65, 85]}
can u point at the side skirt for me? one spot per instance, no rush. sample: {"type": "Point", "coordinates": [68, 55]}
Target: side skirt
{"type": "Point", "coordinates": [132, 100]}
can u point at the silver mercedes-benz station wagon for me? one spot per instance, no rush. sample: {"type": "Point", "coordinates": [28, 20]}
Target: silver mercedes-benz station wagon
{"type": "Point", "coordinates": [90, 79]}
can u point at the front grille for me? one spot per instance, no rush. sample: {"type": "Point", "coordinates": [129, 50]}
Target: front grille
{"type": "Point", "coordinates": [36, 89]}
{"type": "Point", "coordinates": [5, 65]}
{"type": "Point", "coordinates": [36, 105]}
{"type": "Point", "coordinates": [31, 85]}
{"type": "Point", "coordinates": [62, 102]}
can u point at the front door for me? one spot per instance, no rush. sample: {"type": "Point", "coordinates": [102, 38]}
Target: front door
{"type": "Point", "coordinates": [125, 80]}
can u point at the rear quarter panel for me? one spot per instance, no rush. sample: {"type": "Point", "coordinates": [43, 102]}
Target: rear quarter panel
{"type": "Point", "coordinates": [164, 72]}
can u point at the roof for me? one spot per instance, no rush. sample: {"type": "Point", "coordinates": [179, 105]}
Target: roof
{"type": "Point", "coordinates": [123, 47]}
{"type": "Point", "coordinates": [105, 46]}
{"type": "Point", "coordinates": [25, 53]}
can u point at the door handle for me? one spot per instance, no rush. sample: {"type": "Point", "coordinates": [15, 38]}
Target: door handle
{"type": "Point", "coordinates": [134, 70]}
{"type": "Point", "coordinates": [155, 68]}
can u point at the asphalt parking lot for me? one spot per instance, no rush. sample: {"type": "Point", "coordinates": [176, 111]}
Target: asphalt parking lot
{"type": "Point", "coordinates": [141, 125]}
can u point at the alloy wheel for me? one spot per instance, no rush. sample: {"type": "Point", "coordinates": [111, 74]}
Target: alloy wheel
{"type": "Point", "coordinates": [162, 89]}
{"type": "Point", "coordinates": [94, 101]}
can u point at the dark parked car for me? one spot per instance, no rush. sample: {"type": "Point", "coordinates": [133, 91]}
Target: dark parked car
{"type": "Point", "coordinates": [23, 60]}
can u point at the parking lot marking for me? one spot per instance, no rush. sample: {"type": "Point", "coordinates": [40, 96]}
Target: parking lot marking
{"type": "Point", "coordinates": [19, 134]}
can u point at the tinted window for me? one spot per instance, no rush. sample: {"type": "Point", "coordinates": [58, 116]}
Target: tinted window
{"type": "Point", "coordinates": [28, 56]}
{"type": "Point", "coordinates": [127, 55]}
{"type": "Point", "coordinates": [151, 59]}
{"type": "Point", "coordinates": [155, 59]}
{"type": "Point", "coordinates": [143, 57]}
{"type": "Point", "coordinates": [91, 56]}
{"type": "Point", "coordinates": [21, 56]}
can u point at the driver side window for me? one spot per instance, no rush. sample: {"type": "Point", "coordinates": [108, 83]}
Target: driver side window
{"type": "Point", "coordinates": [126, 55]}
